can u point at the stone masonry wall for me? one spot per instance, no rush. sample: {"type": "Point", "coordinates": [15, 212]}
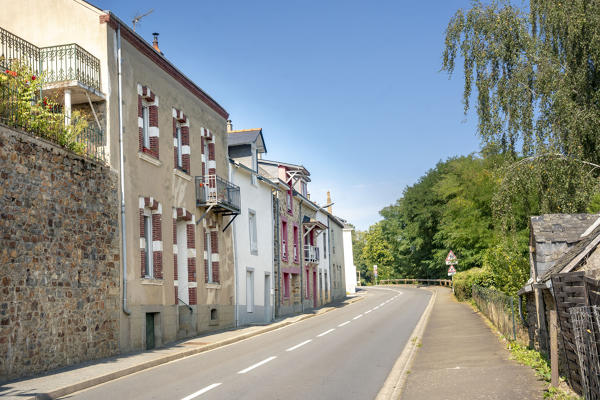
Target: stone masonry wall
{"type": "Point", "coordinates": [59, 257]}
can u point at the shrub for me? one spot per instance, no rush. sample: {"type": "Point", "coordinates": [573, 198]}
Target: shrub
{"type": "Point", "coordinates": [464, 281]}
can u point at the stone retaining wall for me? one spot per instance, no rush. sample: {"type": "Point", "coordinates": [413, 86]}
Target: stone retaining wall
{"type": "Point", "coordinates": [59, 257]}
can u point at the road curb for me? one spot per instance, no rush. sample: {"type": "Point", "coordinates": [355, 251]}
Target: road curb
{"type": "Point", "coordinates": [393, 384]}
{"type": "Point", "coordinates": [85, 384]}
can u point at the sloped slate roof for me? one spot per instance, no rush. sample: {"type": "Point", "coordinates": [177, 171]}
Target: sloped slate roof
{"type": "Point", "coordinates": [574, 251]}
{"type": "Point", "coordinates": [560, 227]}
{"type": "Point", "coordinates": [247, 136]}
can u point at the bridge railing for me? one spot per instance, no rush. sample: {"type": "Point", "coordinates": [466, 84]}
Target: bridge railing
{"type": "Point", "coordinates": [414, 281]}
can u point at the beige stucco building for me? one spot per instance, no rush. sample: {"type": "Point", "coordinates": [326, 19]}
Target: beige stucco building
{"type": "Point", "coordinates": [177, 257]}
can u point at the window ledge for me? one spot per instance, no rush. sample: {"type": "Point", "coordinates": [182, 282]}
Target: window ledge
{"type": "Point", "coordinates": [182, 175]}
{"type": "Point", "coordinates": [254, 252]}
{"type": "Point", "coordinates": [151, 159]}
{"type": "Point", "coordinates": [213, 285]}
{"type": "Point", "coordinates": [152, 281]}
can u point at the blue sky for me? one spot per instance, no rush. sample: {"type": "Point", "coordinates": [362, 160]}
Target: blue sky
{"type": "Point", "coordinates": [350, 89]}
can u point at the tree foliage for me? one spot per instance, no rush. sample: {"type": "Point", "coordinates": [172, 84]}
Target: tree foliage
{"type": "Point", "coordinates": [536, 72]}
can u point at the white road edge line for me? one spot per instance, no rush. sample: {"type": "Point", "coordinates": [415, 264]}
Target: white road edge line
{"type": "Point", "coordinates": [382, 304]}
{"type": "Point", "coordinates": [326, 332]}
{"type": "Point", "coordinates": [201, 391]}
{"type": "Point", "coordinates": [358, 316]}
{"type": "Point", "coordinates": [343, 323]}
{"type": "Point", "coordinates": [299, 345]}
{"type": "Point", "coordinates": [258, 364]}
{"type": "Point", "coordinates": [366, 312]}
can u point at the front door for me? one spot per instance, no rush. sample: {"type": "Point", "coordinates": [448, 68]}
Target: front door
{"type": "Point", "coordinates": [182, 263]}
{"type": "Point", "coordinates": [315, 289]}
{"type": "Point", "coordinates": [267, 298]}
{"type": "Point", "coordinates": [149, 331]}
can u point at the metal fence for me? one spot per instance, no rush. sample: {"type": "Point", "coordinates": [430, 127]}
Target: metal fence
{"type": "Point", "coordinates": [212, 190]}
{"type": "Point", "coordinates": [502, 310]}
{"type": "Point", "coordinates": [15, 111]}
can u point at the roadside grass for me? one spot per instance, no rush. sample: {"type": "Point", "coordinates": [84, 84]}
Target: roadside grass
{"type": "Point", "coordinates": [533, 359]}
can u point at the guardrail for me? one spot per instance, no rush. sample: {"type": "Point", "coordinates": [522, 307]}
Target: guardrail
{"type": "Point", "coordinates": [416, 281]}
{"type": "Point", "coordinates": [212, 190]}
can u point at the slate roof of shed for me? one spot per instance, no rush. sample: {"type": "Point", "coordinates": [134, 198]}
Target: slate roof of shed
{"type": "Point", "coordinates": [570, 255]}
{"type": "Point", "coordinates": [552, 228]}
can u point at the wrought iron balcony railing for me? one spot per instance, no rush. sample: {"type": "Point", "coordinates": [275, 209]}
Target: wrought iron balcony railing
{"type": "Point", "coordinates": [62, 63]}
{"type": "Point", "coordinates": [70, 62]}
{"type": "Point", "coordinates": [212, 190]}
{"type": "Point", "coordinates": [311, 254]}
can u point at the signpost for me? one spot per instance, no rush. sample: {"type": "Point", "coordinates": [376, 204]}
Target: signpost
{"type": "Point", "coordinates": [451, 260]}
{"type": "Point", "coordinates": [375, 273]}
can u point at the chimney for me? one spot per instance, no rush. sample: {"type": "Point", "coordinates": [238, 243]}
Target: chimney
{"type": "Point", "coordinates": [155, 43]}
{"type": "Point", "coordinates": [229, 126]}
{"type": "Point", "coordinates": [308, 196]}
{"type": "Point", "coordinates": [329, 202]}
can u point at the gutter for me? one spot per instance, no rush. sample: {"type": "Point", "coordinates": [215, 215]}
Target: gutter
{"type": "Point", "coordinates": [122, 173]}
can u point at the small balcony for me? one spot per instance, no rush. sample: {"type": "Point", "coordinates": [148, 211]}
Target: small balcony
{"type": "Point", "coordinates": [67, 66]}
{"type": "Point", "coordinates": [311, 254]}
{"type": "Point", "coordinates": [222, 196]}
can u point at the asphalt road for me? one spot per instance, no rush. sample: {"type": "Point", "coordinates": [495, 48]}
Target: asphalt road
{"type": "Point", "coordinates": [343, 354]}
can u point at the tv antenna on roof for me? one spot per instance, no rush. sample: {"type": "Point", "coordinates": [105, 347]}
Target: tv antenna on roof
{"type": "Point", "coordinates": [137, 18]}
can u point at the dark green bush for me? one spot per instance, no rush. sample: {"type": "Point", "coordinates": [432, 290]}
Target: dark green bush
{"type": "Point", "coordinates": [464, 281]}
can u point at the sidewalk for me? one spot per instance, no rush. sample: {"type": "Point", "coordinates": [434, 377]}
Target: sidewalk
{"type": "Point", "coordinates": [461, 358]}
{"type": "Point", "coordinates": [78, 377]}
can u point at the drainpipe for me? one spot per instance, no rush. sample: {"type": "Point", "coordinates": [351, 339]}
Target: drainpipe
{"type": "Point", "coordinates": [235, 264]}
{"type": "Point", "coordinates": [301, 250]}
{"type": "Point", "coordinates": [122, 174]}
{"type": "Point", "coordinates": [329, 275]}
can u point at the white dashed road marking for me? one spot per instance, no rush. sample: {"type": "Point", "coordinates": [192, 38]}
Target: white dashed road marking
{"type": "Point", "coordinates": [201, 391]}
{"type": "Point", "coordinates": [343, 323]}
{"type": "Point", "coordinates": [325, 333]}
{"type": "Point", "coordinates": [299, 345]}
{"type": "Point", "coordinates": [258, 364]}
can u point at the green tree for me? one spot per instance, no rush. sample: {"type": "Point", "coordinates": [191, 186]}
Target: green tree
{"type": "Point", "coordinates": [536, 71]}
{"type": "Point", "coordinates": [378, 251]}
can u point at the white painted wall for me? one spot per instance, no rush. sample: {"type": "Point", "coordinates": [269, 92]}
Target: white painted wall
{"type": "Point", "coordinates": [258, 199]}
{"type": "Point", "coordinates": [324, 272]}
{"type": "Point", "coordinates": [349, 266]}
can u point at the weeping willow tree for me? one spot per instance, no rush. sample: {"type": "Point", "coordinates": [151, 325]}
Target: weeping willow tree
{"type": "Point", "coordinates": [533, 71]}
{"type": "Point", "coordinates": [536, 74]}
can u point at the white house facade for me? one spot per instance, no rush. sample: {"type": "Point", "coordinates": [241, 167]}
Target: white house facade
{"type": "Point", "coordinates": [350, 268]}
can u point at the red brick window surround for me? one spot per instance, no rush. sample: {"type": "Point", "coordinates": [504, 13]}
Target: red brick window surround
{"type": "Point", "coordinates": [151, 245]}
{"type": "Point", "coordinates": [209, 165]}
{"type": "Point", "coordinates": [211, 256]}
{"type": "Point", "coordinates": [181, 215]}
{"type": "Point", "coordinates": [148, 121]}
{"type": "Point", "coordinates": [181, 141]}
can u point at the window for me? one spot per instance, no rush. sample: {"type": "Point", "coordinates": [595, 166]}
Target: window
{"type": "Point", "coordinates": [249, 291]}
{"type": "Point", "coordinates": [296, 251]}
{"type": "Point", "coordinates": [179, 147]}
{"type": "Point", "coordinates": [284, 237]}
{"type": "Point", "coordinates": [286, 285]}
{"type": "Point", "coordinates": [253, 232]}
{"type": "Point", "coordinates": [149, 261]}
{"type": "Point", "coordinates": [209, 262]}
{"type": "Point", "coordinates": [146, 125]}
{"type": "Point", "coordinates": [303, 188]}
{"type": "Point", "coordinates": [332, 243]}
{"type": "Point", "coordinates": [324, 244]}
{"type": "Point", "coordinates": [290, 201]}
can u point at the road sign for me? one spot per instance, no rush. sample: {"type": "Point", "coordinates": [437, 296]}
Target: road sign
{"type": "Point", "coordinates": [375, 270]}
{"type": "Point", "coordinates": [451, 259]}
{"type": "Point", "coordinates": [451, 270]}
